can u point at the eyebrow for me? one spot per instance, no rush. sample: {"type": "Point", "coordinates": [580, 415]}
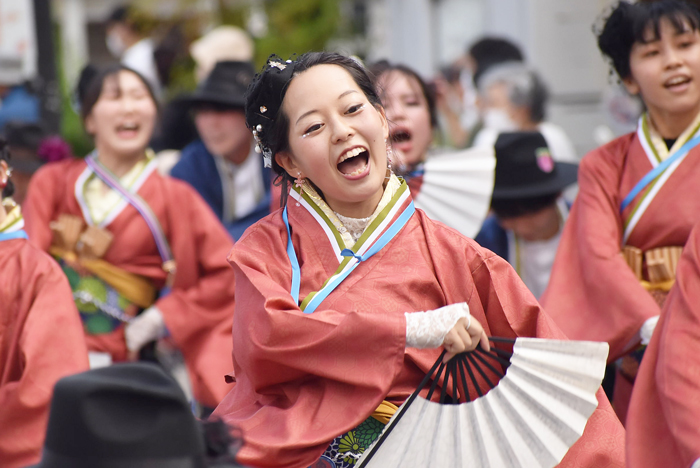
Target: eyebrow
{"type": "Point", "coordinates": [349, 91]}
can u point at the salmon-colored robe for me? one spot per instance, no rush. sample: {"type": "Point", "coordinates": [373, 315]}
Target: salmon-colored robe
{"type": "Point", "coordinates": [303, 379]}
{"type": "Point", "coordinates": [41, 341]}
{"type": "Point", "coordinates": [592, 293]}
{"type": "Point", "coordinates": [198, 310]}
{"type": "Point", "coordinates": [664, 415]}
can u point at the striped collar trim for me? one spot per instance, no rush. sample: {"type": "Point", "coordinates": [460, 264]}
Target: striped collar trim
{"type": "Point", "coordinates": [382, 218]}
{"type": "Point", "coordinates": [13, 222]}
{"type": "Point", "coordinates": [86, 176]}
{"type": "Point", "coordinates": [655, 146]}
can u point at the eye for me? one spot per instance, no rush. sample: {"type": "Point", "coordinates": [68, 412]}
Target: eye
{"type": "Point", "coordinates": [356, 108]}
{"type": "Point", "coordinates": [311, 129]}
{"type": "Point", "coordinates": [686, 44]}
{"type": "Point", "coordinates": [650, 53]}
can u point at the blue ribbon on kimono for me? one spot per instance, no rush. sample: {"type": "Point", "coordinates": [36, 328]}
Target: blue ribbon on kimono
{"type": "Point", "coordinates": [323, 293]}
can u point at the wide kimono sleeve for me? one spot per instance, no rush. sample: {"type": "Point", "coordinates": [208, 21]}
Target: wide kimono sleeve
{"type": "Point", "coordinates": [198, 310]}
{"type": "Point", "coordinates": [40, 207]}
{"type": "Point", "coordinates": [592, 292]}
{"type": "Point", "coordinates": [302, 378]}
{"type": "Point", "coordinates": [665, 407]}
{"type": "Point", "coordinates": [506, 308]}
{"type": "Point", "coordinates": [46, 344]}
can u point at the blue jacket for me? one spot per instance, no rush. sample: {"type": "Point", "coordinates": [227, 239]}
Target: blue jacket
{"type": "Point", "coordinates": [493, 237]}
{"type": "Point", "coordinates": [19, 105]}
{"type": "Point", "coordinates": [198, 168]}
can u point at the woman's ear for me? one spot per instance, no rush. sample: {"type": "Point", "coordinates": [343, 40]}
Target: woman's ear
{"type": "Point", "coordinates": [286, 161]}
{"type": "Point", "coordinates": [385, 122]}
{"type": "Point", "coordinates": [631, 85]}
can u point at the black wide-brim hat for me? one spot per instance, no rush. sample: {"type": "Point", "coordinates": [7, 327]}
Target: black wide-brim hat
{"type": "Point", "coordinates": [225, 86]}
{"type": "Point", "coordinates": [525, 167]}
{"type": "Point", "coordinates": [123, 416]}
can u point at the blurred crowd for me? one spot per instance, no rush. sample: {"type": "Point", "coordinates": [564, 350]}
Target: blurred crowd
{"type": "Point", "coordinates": [123, 293]}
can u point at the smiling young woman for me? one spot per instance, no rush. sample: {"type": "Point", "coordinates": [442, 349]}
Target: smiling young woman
{"type": "Point", "coordinates": [337, 139]}
{"type": "Point", "coordinates": [144, 254]}
{"type": "Point", "coordinates": [121, 119]}
{"type": "Point", "coordinates": [410, 109]}
{"type": "Point", "coordinates": [639, 197]}
{"type": "Point", "coordinates": [329, 336]}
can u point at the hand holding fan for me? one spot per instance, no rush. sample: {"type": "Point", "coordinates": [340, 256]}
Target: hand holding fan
{"type": "Point", "coordinates": [530, 418]}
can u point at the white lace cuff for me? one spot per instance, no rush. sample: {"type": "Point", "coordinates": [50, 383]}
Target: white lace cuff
{"type": "Point", "coordinates": [648, 329]}
{"type": "Point", "coordinates": [144, 328]}
{"type": "Point", "coordinates": [428, 329]}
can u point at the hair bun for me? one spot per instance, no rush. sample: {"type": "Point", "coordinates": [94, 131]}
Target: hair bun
{"type": "Point", "coordinates": [264, 99]}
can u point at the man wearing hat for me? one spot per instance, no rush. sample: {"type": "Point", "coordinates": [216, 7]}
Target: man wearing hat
{"type": "Point", "coordinates": [222, 165]}
{"type": "Point", "coordinates": [529, 212]}
{"type": "Point", "coordinates": [130, 415]}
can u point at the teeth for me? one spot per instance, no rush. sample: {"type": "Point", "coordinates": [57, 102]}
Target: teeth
{"type": "Point", "coordinates": [351, 154]}
{"type": "Point", "coordinates": [677, 80]}
{"type": "Point", "coordinates": [358, 171]}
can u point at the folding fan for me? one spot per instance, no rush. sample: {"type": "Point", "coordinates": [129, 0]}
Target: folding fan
{"type": "Point", "coordinates": [457, 187]}
{"type": "Point", "coordinates": [530, 418]}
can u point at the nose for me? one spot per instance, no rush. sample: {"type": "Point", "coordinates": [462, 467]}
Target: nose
{"type": "Point", "coordinates": [127, 104]}
{"type": "Point", "coordinates": [673, 57]}
{"type": "Point", "coordinates": [342, 131]}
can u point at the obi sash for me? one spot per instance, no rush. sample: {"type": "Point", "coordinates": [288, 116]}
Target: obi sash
{"type": "Point", "coordinates": [106, 296]}
{"type": "Point", "coordinates": [655, 270]}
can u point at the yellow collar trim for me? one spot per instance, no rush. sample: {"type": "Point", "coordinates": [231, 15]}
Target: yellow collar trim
{"type": "Point", "coordinates": [658, 143]}
{"type": "Point", "coordinates": [390, 190]}
{"type": "Point", "coordinates": [13, 221]}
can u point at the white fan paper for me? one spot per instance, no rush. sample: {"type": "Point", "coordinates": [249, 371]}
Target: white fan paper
{"type": "Point", "coordinates": [457, 188]}
{"type": "Point", "coordinates": [529, 419]}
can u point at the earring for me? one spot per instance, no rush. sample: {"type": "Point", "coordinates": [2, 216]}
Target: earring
{"type": "Point", "coordinates": [6, 179]}
{"type": "Point", "coordinates": [389, 155]}
{"type": "Point", "coordinates": [298, 182]}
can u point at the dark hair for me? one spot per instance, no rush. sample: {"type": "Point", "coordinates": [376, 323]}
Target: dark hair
{"type": "Point", "coordinates": [120, 14]}
{"type": "Point", "coordinates": [267, 91]}
{"type": "Point", "coordinates": [383, 67]}
{"type": "Point", "coordinates": [90, 90]}
{"type": "Point", "coordinates": [5, 156]}
{"type": "Point", "coordinates": [490, 51]}
{"type": "Point", "coordinates": [628, 24]}
{"type": "Point", "coordinates": [506, 208]}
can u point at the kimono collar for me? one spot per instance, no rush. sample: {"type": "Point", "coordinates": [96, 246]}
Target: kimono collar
{"type": "Point", "coordinates": [13, 221]}
{"type": "Point", "coordinates": [654, 144]}
{"type": "Point", "coordinates": [388, 220]}
{"type": "Point", "coordinates": [392, 186]}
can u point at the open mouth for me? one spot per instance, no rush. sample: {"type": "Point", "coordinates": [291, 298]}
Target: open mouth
{"type": "Point", "coordinates": [128, 130]}
{"type": "Point", "coordinates": [353, 162]}
{"type": "Point", "coordinates": [400, 136]}
{"type": "Point", "coordinates": [676, 82]}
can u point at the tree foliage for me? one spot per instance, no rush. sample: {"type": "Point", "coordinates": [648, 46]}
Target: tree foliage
{"type": "Point", "coordinates": [296, 27]}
